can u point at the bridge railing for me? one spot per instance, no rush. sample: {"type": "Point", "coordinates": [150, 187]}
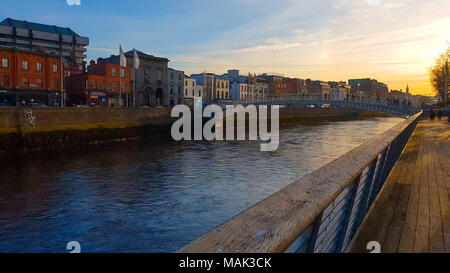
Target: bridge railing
{"type": "Point", "coordinates": [320, 212]}
{"type": "Point", "coordinates": [332, 97]}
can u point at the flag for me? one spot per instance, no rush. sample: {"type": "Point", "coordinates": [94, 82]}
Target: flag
{"type": "Point", "coordinates": [255, 79]}
{"type": "Point", "coordinates": [123, 60]}
{"type": "Point", "coordinates": [136, 60]}
{"type": "Point", "coordinates": [249, 78]}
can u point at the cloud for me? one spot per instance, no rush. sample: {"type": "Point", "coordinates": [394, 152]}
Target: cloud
{"type": "Point", "coordinates": [73, 2]}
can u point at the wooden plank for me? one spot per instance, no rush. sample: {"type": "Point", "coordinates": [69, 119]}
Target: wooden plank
{"type": "Point", "coordinates": [420, 218]}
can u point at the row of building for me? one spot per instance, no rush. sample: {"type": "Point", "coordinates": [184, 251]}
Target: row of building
{"type": "Point", "coordinates": [45, 65]}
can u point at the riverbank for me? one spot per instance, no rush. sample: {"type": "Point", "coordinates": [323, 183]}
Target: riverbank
{"type": "Point", "coordinates": [37, 128]}
{"type": "Point", "coordinates": [34, 128]}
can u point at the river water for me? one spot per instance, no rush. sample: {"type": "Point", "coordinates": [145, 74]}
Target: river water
{"type": "Point", "coordinates": [154, 195]}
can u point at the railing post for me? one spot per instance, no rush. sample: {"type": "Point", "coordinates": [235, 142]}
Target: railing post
{"type": "Point", "coordinates": [348, 215]}
{"type": "Point", "coordinates": [314, 233]}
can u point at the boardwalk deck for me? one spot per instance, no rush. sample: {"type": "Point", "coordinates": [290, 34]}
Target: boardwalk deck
{"type": "Point", "coordinates": [411, 213]}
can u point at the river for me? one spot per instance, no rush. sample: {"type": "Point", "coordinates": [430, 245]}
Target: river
{"type": "Point", "coordinates": [154, 195]}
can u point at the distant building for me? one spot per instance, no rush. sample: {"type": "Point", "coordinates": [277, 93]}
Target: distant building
{"type": "Point", "coordinates": [369, 87]}
{"type": "Point", "coordinates": [318, 89]}
{"type": "Point", "coordinates": [47, 39]}
{"type": "Point", "coordinates": [100, 85]}
{"type": "Point", "coordinates": [175, 87]}
{"type": "Point", "coordinates": [296, 86]}
{"type": "Point", "coordinates": [28, 77]}
{"type": "Point", "coordinates": [151, 78]}
{"type": "Point", "coordinates": [276, 83]}
{"type": "Point", "coordinates": [339, 90]}
{"type": "Point", "coordinates": [246, 87]}
{"type": "Point", "coordinates": [215, 88]}
{"type": "Point", "coordinates": [193, 92]}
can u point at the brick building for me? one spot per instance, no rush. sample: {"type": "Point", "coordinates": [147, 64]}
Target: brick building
{"type": "Point", "coordinates": [296, 86]}
{"type": "Point", "coordinates": [28, 78]}
{"type": "Point", "coordinates": [318, 89]}
{"type": "Point", "coordinates": [50, 39]}
{"type": "Point", "coordinates": [99, 86]}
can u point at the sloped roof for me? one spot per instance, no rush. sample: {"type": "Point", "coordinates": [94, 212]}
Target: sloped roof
{"type": "Point", "coordinates": [38, 27]}
{"type": "Point", "coordinates": [143, 55]}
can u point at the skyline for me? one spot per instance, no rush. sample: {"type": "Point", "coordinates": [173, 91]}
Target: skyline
{"type": "Point", "coordinates": [394, 42]}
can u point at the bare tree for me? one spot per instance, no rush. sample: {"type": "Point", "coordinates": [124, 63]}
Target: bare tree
{"type": "Point", "coordinates": [439, 75]}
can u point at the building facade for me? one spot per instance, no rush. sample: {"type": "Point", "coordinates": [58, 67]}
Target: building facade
{"type": "Point", "coordinates": [48, 39]}
{"type": "Point", "coordinates": [339, 90]}
{"type": "Point", "coordinates": [215, 88]}
{"type": "Point", "coordinates": [318, 89]}
{"type": "Point", "coordinates": [369, 87]}
{"type": "Point", "coordinates": [246, 87]}
{"type": "Point", "coordinates": [100, 85]}
{"type": "Point", "coordinates": [149, 82]}
{"type": "Point", "coordinates": [175, 86]}
{"type": "Point", "coordinates": [193, 93]}
{"type": "Point", "coordinates": [29, 77]}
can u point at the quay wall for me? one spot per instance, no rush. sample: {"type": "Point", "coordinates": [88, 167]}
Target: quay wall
{"type": "Point", "coordinates": [33, 128]}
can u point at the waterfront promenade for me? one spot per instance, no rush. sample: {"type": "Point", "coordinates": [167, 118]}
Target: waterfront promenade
{"type": "Point", "coordinates": [411, 213]}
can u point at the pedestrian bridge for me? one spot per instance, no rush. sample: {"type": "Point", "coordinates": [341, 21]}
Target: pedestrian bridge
{"type": "Point", "coordinates": [367, 103]}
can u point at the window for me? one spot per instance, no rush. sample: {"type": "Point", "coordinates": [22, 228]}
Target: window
{"type": "Point", "coordinates": [25, 82]}
{"type": "Point", "coordinates": [39, 83]}
{"type": "Point", "coordinates": [199, 93]}
{"type": "Point", "coordinates": [171, 76]}
{"type": "Point", "coordinates": [179, 90]}
{"type": "Point", "coordinates": [171, 89]}
{"type": "Point", "coordinates": [113, 72]}
{"type": "Point", "coordinates": [56, 84]}
{"type": "Point", "coordinates": [185, 92]}
{"type": "Point", "coordinates": [55, 68]}
{"type": "Point", "coordinates": [122, 73]}
{"type": "Point", "coordinates": [114, 87]}
{"type": "Point", "coordinates": [6, 81]}
{"type": "Point", "coordinates": [25, 65]}
{"type": "Point", "coordinates": [5, 63]}
{"type": "Point", "coordinates": [38, 67]}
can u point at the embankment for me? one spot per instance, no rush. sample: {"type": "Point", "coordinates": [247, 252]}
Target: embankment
{"type": "Point", "coordinates": [36, 128]}
{"type": "Point", "coordinates": [33, 128]}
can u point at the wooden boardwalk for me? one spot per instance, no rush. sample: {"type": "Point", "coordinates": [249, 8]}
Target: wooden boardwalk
{"type": "Point", "coordinates": [411, 213]}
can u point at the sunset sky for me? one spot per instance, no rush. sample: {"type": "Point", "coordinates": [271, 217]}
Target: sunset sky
{"type": "Point", "coordinates": [393, 41]}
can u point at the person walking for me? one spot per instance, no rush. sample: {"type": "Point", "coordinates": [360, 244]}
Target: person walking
{"type": "Point", "coordinates": [432, 114]}
{"type": "Point", "coordinates": [439, 114]}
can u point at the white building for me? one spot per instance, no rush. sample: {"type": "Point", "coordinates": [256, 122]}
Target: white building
{"type": "Point", "coordinates": [175, 86]}
{"type": "Point", "coordinates": [339, 90]}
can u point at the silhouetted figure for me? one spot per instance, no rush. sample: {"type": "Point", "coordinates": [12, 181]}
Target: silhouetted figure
{"type": "Point", "coordinates": [439, 114]}
{"type": "Point", "coordinates": [432, 114]}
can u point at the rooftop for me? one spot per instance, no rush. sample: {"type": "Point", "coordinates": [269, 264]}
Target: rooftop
{"type": "Point", "coordinates": [38, 27]}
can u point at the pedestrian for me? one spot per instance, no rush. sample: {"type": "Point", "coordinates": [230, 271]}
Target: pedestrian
{"type": "Point", "coordinates": [439, 114]}
{"type": "Point", "coordinates": [432, 114]}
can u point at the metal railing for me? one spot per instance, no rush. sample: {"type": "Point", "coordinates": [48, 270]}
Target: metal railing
{"type": "Point", "coordinates": [322, 211]}
{"type": "Point", "coordinates": [370, 103]}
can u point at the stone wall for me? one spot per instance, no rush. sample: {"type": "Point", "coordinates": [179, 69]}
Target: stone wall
{"type": "Point", "coordinates": [32, 128]}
